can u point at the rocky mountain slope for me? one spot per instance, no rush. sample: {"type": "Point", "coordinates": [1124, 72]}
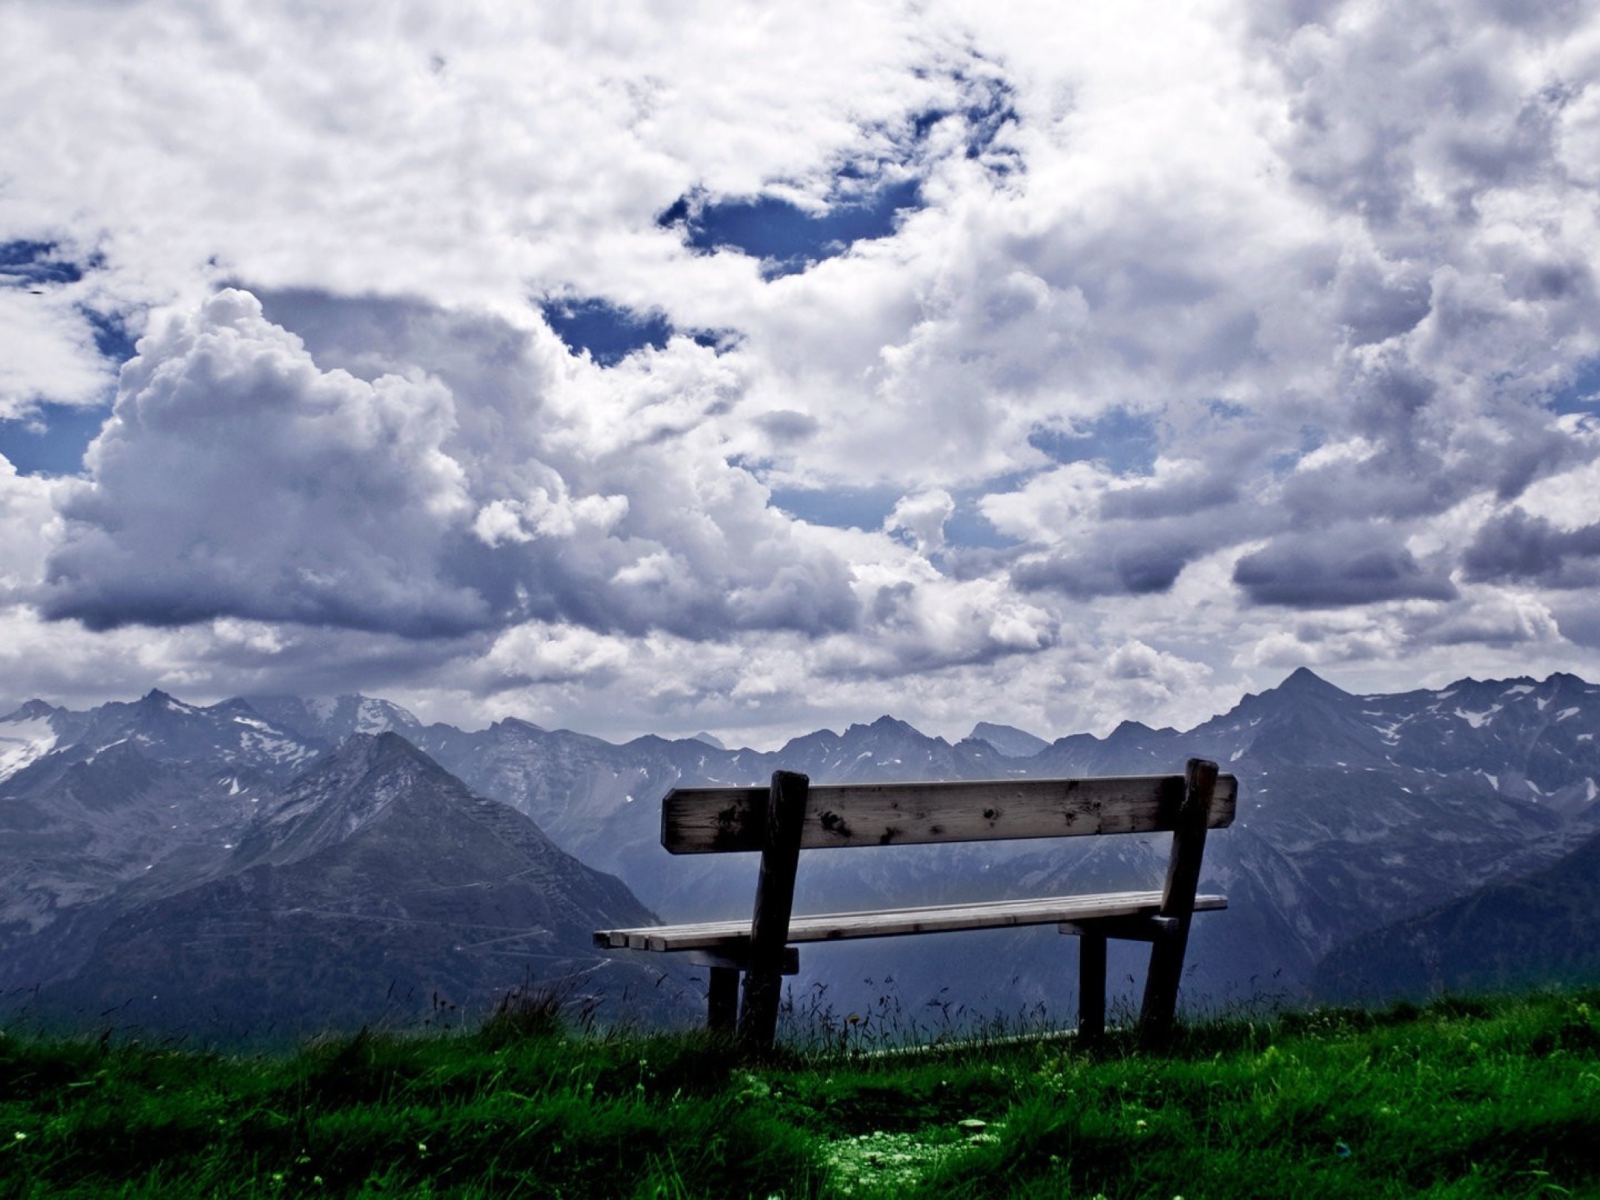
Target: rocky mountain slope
{"type": "Point", "coordinates": [375, 885]}
{"type": "Point", "coordinates": [1535, 930]}
{"type": "Point", "coordinates": [117, 806]}
{"type": "Point", "coordinates": [157, 870]}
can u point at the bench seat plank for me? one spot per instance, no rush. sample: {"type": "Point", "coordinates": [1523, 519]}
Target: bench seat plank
{"type": "Point", "coordinates": [715, 820]}
{"type": "Point", "coordinates": [827, 927]}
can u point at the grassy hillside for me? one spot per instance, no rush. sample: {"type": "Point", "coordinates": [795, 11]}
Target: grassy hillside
{"type": "Point", "coordinates": [1461, 1099]}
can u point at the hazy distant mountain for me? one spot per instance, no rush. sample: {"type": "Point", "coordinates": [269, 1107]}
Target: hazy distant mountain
{"type": "Point", "coordinates": [1356, 812]}
{"type": "Point", "coordinates": [1009, 740]}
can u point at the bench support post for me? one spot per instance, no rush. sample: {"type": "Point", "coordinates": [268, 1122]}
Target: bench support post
{"type": "Point", "coordinates": [769, 930]}
{"type": "Point", "coordinates": [722, 1001]}
{"type": "Point", "coordinates": [1159, 1010]}
{"type": "Point", "coordinates": [1091, 987]}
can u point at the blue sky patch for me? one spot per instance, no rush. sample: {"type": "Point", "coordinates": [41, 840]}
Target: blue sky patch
{"type": "Point", "coordinates": [608, 332]}
{"type": "Point", "coordinates": [785, 237]}
{"type": "Point", "coordinates": [1582, 394]}
{"type": "Point", "coordinates": [987, 116]}
{"type": "Point", "coordinates": [990, 108]}
{"type": "Point", "coordinates": [52, 441]}
{"type": "Point", "coordinates": [720, 340]}
{"type": "Point", "coordinates": [867, 197]}
{"type": "Point", "coordinates": [111, 336]}
{"type": "Point", "coordinates": [840, 508]}
{"type": "Point", "coordinates": [37, 265]}
{"type": "Point", "coordinates": [1127, 443]}
{"type": "Point", "coordinates": [1311, 439]}
{"type": "Point", "coordinates": [968, 527]}
{"type": "Point", "coordinates": [868, 508]}
{"type": "Point", "coordinates": [52, 438]}
{"type": "Point", "coordinates": [34, 264]}
{"type": "Point", "coordinates": [1226, 410]}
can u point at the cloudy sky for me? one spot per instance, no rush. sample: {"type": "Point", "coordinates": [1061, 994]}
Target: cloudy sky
{"type": "Point", "coordinates": [753, 368]}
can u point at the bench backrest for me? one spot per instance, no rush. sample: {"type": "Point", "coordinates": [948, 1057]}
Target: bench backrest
{"type": "Point", "coordinates": [717, 820]}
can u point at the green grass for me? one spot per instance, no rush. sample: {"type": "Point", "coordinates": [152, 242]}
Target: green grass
{"type": "Point", "coordinates": [1460, 1099]}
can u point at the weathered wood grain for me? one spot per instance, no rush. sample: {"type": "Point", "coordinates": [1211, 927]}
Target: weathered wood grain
{"type": "Point", "coordinates": [730, 936]}
{"type": "Point", "coordinates": [1160, 1007]}
{"type": "Point", "coordinates": [716, 820]}
{"type": "Point", "coordinates": [769, 924]}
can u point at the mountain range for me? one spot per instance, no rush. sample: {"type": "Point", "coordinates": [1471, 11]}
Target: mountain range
{"type": "Point", "coordinates": [276, 862]}
{"type": "Point", "coordinates": [206, 870]}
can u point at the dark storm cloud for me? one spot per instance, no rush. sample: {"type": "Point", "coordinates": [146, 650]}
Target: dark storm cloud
{"type": "Point", "coordinates": [1176, 498]}
{"type": "Point", "coordinates": [1111, 570]}
{"type": "Point", "coordinates": [1517, 546]}
{"type": "Point", "coordinates": [1579, 620]}
{"type": "Point", "coordinates": [1375, 307]}
{"type": "Point", "coordinates": [786, 427]}
{"type": "Point", "coordinates": [1336, 569]}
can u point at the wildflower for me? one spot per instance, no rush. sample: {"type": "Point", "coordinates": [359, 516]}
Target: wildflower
{"type": "Point", "coordinates": [21, 1137]}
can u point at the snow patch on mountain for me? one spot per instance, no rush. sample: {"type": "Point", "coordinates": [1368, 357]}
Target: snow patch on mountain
{"type": "Point", "coordinates": [24, 742]}
{"type": "Point", "coordinates": [379, 716]}
{"type": "Point", "coordinates": [277, 748]}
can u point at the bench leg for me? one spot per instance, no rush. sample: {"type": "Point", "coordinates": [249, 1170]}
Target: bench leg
{"type": "Point", "coordinates": [1177, 904]}
{"type": "Point", "coordinates": [769, 926]}
{"type": "Point", "coordinates": [758, 1015]}
{"type": "Point", "coordinates": [722, 1000]}
{"type": "Point", "coordinates": [1091, 988]}
{"type": "Point", "coordinates": [1159, 1011]}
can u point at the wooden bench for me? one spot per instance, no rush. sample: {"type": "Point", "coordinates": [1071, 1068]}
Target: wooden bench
{"type": "Point", "coordinates": [790, 816]}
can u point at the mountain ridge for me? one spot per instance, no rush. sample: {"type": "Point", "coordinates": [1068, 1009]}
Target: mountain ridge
{"type": "Point", "coordinates": [1357, 811]}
